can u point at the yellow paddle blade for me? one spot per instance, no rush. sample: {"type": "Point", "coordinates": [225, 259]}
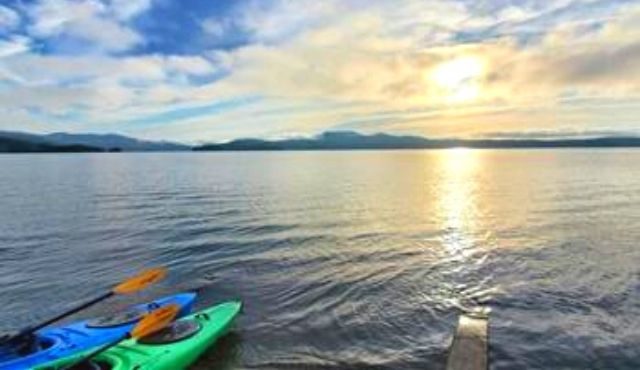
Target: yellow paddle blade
{"type": "Point", "coordinates": [155, 321]}
{"type": "Point", "coordinates": [140, 281]}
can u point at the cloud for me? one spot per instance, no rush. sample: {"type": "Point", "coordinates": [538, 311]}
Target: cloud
{"type": "Point", "coordinates": [189, 65]}
{"type": "Point", "coordinates": [85, 25]}
{"type": "Point", "coordinates": [213, 27]}
{"type": "Point", "coordinates": [439, 67]}
{"type": "Point", "coordinates": [62, 70]}
{"type": "Point", "coordinates": [127, 9]}
{"type": "Point", "coordinates": [360, 58]}
{"type": "Point", "coordinates": [103, 89]}
{"type": "Point", "coordinates": [9, 19]}
{"type": "Point", "coordinates": [557, 134]}
{"type": "Point", "coordinates": [14, 45]}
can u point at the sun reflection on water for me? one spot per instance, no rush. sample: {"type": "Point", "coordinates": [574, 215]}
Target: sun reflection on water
{"type": "Point", "coordinates": [464, 243]}
{"type": "Point", "coordinates": [457, 198]}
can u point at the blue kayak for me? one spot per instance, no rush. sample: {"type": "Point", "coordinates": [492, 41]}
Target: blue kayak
{"type": "Point", "coordinates": [50, 344]}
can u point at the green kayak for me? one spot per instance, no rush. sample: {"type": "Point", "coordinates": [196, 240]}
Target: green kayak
{"type": "Point", "coordinates": [172, 348]}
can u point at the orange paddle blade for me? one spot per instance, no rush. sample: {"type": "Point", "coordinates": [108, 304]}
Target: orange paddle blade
{"type": "Point", "coordinates": [140, 281]}
{"type": "Point", "coordinates": [155, 320]}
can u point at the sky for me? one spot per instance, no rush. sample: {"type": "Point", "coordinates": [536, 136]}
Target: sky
{"type": "Point", "coordinates": [214, 70]}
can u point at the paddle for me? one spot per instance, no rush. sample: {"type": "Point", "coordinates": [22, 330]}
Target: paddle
{"type": "Point", "coordinates": [150, 323]}
{"type": "Point", "coordinates": [131, 285]}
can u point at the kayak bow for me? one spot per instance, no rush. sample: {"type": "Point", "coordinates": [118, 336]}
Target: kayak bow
{"type": "Point", "coordinates": [51, 344]}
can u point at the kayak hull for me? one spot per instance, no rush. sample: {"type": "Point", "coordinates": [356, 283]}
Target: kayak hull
{"type": "Point", "coordinates": [62, 342]}
{"type": "Point", "coordinates": [213, 322]}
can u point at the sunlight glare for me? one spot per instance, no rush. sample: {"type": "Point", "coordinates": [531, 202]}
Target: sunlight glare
{"type": "Point", "coordinates": [458, 79]}
{"type": "Point", "coordinates": [457, 200]}
{"type": "Point", "coordinates": [460, 160]}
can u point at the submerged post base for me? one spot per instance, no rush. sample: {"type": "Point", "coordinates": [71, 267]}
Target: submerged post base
{"type": "Point", "coordinates": [470, 344]}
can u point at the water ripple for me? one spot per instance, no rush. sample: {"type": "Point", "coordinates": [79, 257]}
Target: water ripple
{"type": "Point", "coordinates": [358, 260]}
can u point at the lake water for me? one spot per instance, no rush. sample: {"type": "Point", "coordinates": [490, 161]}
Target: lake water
{"type": "Point", "coordinates": [343, 259]}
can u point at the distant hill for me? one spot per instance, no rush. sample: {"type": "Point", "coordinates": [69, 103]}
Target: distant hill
{"type": "Point", "coordinates": [108, 141]}
{"type": "Point", "coordinates": [332, 140]}
{"type": "Point", "coordinates": [350, 140]}
{"type": "Point", "coordinates": [11, 145]}
{"type": "Point", "coordinates": [105, 142]}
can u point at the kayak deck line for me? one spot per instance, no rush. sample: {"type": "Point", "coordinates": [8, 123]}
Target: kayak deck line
{"type": "Point", "coordinates": [469, 347]}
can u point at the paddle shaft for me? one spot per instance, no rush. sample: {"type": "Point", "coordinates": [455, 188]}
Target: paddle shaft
{"type": "Point", "coordinates": [131, 285]}
{"type": "Point", "coordinates": [65, 314]}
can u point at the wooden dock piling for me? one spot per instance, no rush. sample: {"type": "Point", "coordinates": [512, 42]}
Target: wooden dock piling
{"type": "Point", "coordinates": [470, 344]}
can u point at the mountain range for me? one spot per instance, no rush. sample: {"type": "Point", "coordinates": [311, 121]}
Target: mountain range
{"type": "Point", "coordinates": [22, 141]}
{"type": "Point", "coordinates": [17, 145]}
{"type": "Point", "coordinates": [332, 140]}
{"type": "Point", "coordinates": [350, 140]}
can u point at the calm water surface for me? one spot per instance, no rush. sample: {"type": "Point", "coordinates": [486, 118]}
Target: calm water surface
{"type": "Point", "coordinates": [344, 259]}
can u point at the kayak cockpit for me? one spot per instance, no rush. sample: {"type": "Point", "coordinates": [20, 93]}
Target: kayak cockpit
{"type": "Point", "coordinates": [124, 318]}
{"type": "Point", "coordinates": [176, 332]}
{"type": "Point", "coordinates": [26, 346]}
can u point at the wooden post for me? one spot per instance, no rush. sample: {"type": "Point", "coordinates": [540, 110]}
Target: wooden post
{"type": "Point", "coordinates": [470, 344]}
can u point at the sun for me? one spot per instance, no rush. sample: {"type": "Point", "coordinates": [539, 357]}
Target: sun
{"type": "Point", "coordinates": [458, 79]}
